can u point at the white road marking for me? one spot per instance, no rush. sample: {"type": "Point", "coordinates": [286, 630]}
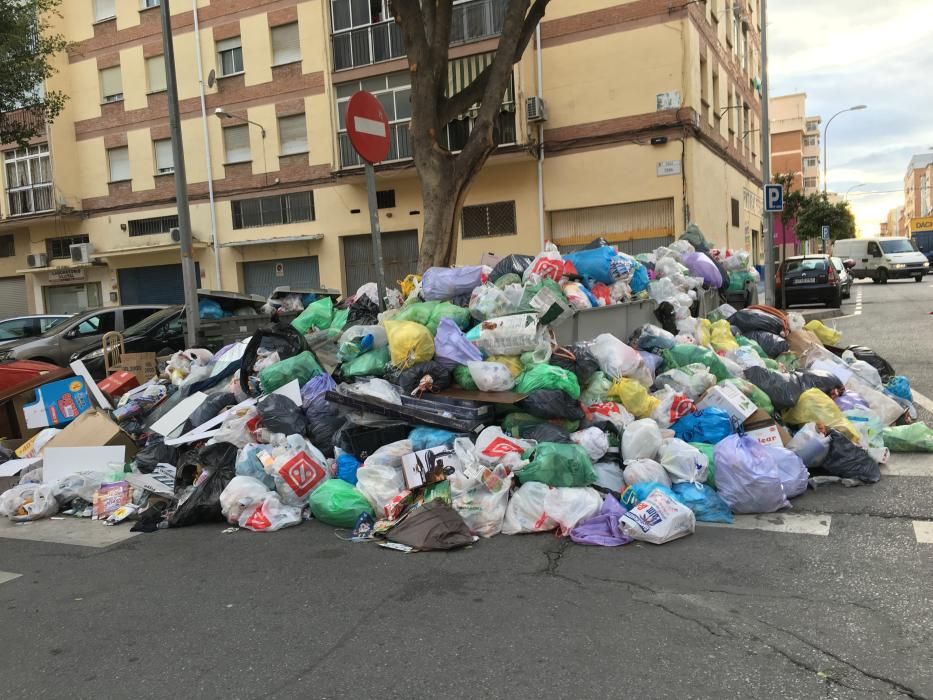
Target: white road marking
{"type": "Point", "coordinates": [6, 576]}
{"type": "Point", "coordinates": [923, 531]}
{"type": "Point", "coordinates": [75, 531]}
{"type": "Point", "coordinates": [369, 126]}
{"type": "Point", "coordinates": [789, 523]}
{"type": "Point", "coordinates": [924, 401]}
{"type": "Point", "coordinates": [908, 464]}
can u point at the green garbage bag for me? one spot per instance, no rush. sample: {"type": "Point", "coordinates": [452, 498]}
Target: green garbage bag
{"type": "Point", "coordinates": [559, 464]}
{"type": "Point", "coordinates": [685, 354]}
{"type": "Point", "coordinates": [340, 320]}
{"type": "Point", "coordinates": [337, 503]}
{"type": "Point", "coordinates": [753, 344]}
{"type": "Point", "coordinates": [369, 364]}
{"type": "Point", "coordinates": [444, 309]}
{"type": "Point", "coordinates": [771, 364]}
{"type": "Point", "coordinates": [758, 397]}
{"type": "Point", "coordinates": [546, 376]}
{"type": "Point", "coordinates": [916, 437]}
{"type": "Point", "coordinates": [318, 315]}
{"type": "Point", "coordinates": [463, 378]}
{"type": "Point", "coordinates": [419, 312]}
{"type": "Point", "coordinates": [789, 360]}
{"type": "Point", "coordinates": [738, 279]}
{"type": "Point", "coordinates": [514, 422]}
{"type": "Point", "coordinates": [597, 391]}
{"type": "Point", "coordinates": [709, 451]}
{"type": "Point", "coordinates": [302, 367]}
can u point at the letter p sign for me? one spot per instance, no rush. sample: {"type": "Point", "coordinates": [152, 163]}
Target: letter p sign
{"type": "Point", "coordinates": [774, 198]}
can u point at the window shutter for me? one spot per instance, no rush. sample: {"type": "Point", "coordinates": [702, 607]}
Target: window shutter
{"type": "Point", "coordinates": [286, 46]}
{"type": "Point", "coordinates": [155, 68]}
{"type": "Point", "coordinates": [293, 134]}
{"type": "Point", "coordinates": [164, 158]}
{"type": "Point", "coordinates": [104, 9]}
{"type": "Point", "coordinates": [119, 163]}
{"type": "Point", "coordinates": [111, 83]}
{"type": "Point", "coordinates": [227, 44]}
{"type": "Point", "coordinates": [236, 143]}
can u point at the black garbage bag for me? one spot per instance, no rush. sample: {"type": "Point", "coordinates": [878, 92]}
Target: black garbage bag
{"type": "Point", "coordinates": [363, 312]}
{"type": "Point", "coordinates": [771, 343]}
{"type": "Point", "coordinates": [511, 264]}
{"type": "Point", "coordinates": [755, 320]}
{"type": "Point", "coordinates": [325, 433]}
{"type": "Point", "coordinates": [596, 243]}
{"type": "Point", "coordinates": [281, 415]}
{"type": "Point", "coordinates": [551, 403]}
{"type": "Point", "coordinates": [783, 389]}
{"type": "Point", "coordinates": [203, 504]}
{"type": "Point", "coordinates": [576, 358]}
{"type": "Point", "coordinates": [544, 432]}
{"type": "Point", "coordinates": [211, 408]}
{"type": "Point", "coordinates": [156, 452]}
{"type": "Point", "coordinates": [6, 454]}
{"type": "Point", "coordinates": [874, 359]}
{"type": "Point", "coordinates": [439, 374]}
{"type": "Point", "coordinates": [724, 273]}
{"type": "Point", "coordinates": [283, 339]}
{"type": "Point", "coordinates": [827, 382]}
{"type": "Point", "coordinates": [666, 317]}
{"type": "Point", "coordinates": [849, 461]}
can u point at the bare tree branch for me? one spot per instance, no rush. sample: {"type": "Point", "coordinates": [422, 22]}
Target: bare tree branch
{"type": "Point", "coordinates": [408, 15]}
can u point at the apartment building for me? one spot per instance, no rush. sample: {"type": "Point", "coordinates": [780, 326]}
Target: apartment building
{"type": "Point", "coordinates": [795, 141]}
{"type": "Point", "coordinates": [652, 121]}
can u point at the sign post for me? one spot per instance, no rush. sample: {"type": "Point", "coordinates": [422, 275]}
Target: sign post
{"type": "Point", "coordinates": [368, 129]}
{"type": "Point", "coordinates": [774, 204]}
{"type": "Point", "coordinates": [824, 234]}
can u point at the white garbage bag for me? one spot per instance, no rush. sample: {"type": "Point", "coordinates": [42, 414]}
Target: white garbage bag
{"type": "Point", "coordinates": [594, 441]}
{"type": "Point", "coordinates": [241, 493]}
{"type": "Point", "coordinates": [484, 506]}
{"type": "Point", "coordinates": [269, 515]}
{"type": "Point", "coordinates": [683, 462]}
{"type": "Point", "coordinates": [658, 519]}
{"type": "Point", "coordinates": [641, 439]}
{"type": "Point", "coordinates": [639, 471]}
{"type": "Point", "coordinates": [568, 506]}
{"type": "Point", "coordinates": [527, 510]}
{"type": "Point", "coordinates": [491, 376]}
{"type": "Point", "coordinates": [609, 476]}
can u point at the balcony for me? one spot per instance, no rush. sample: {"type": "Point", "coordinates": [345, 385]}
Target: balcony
{"type": "Point", "coordinates": [473, 20]}
{"type": "Point", "coordinates": [400, 148]}
{"type": "Point", "coordinates": [23, 201]}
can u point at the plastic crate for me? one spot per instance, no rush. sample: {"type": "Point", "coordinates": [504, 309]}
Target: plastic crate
{"type": "Point", "coordinates": [619, 319]}
{"type": "Point", "coordinates": [440, 411]}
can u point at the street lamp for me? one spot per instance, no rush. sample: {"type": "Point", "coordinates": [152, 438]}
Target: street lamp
{"type": "Point", "coordinates": [224, 114]}
{"type": "Point", "coordinates": [846, 197]}
{"type": "Point", "coordinates": [826, 131]}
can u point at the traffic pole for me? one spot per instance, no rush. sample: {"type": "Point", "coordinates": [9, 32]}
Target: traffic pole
{"type": "Point", "coordinates": [768, 221]}
{"type": "Point", "coordinates": [378, 261]}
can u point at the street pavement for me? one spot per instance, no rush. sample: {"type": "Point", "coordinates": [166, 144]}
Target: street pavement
{"type": "Point", "coordinates": [832, 599]}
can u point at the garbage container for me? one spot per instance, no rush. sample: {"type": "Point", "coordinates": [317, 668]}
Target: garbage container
{"type": "Point", "coordinates": [619, 319]}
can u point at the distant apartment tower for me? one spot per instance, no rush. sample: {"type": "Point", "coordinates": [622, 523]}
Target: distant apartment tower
{"type": "Point", "coordinates": [795, 141]}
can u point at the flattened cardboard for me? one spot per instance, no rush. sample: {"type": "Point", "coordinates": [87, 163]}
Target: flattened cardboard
{"type": "Point", "coordinates": [59, 462]}
{"type": "Point", "coordinates": [504, 397]}
{"type": "Point", "coordinates": [94, 429]}
{"type": "Point", "coordinates": [142, 364]}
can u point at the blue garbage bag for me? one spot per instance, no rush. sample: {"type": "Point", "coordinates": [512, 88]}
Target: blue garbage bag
{"type": "Point", "coordinates": [210, 309]}
{"type": "Point", "coordinates": [425, 438]}
{"type": "Point", "coordinates": [594, 264]}
{"type": "Point", "coordinates": [248, 464]}
{"type": "Point", "coordinates": [705, 503]}
{"type": "Point", "coordinates": [899, 386]}
{"type": "Point", "coordinates": [639, 281]}
{"type": "Point", "coordinates": [709, 425]}
{"type": "Point", "coordinates": [347, 465]}
{"type": "Point", "coordinates": [442, 283]}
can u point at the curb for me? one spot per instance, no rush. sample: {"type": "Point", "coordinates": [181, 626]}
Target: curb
{"type": "Point", "coordinates": [819, 314]}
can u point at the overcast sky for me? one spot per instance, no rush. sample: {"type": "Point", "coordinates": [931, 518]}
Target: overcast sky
{"type": "Point", "coordinates": [848, 52]}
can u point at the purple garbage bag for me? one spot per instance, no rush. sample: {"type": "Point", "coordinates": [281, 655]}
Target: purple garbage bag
{"type": "Point", "coordinates": [652, 362]}
{"type": "Point", "coordinates": [700, 265]}
{"type": "Point", "coordinates": [747, 476]}
{"type": "Point", "coordinates": [602, 529]}
{"type": "Point", "coordinates": [850, 401]}
{"type": "Point", "coordinates": [451, 346]}
{"type": "Point", "coordinates": [313, 402]}
{"type": "Point", "coordinates": [443, 283]}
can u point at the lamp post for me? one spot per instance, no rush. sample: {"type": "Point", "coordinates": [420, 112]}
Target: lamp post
{"type": "Point", "coordinates": [224, 114]}
{"type": "Point", "coordinates": [846, 197]}
{"type": "Point", "coordinates": [826, 131]}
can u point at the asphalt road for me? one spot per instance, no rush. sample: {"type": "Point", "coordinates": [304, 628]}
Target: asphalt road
{"type": "Point", "coordinates": [725, 613]}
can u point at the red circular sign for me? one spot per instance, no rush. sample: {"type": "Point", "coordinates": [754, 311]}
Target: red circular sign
{"type": "Point", "coordinates": [368, 127]}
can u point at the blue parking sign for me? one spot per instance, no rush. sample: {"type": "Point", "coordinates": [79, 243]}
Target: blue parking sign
{"type": "Point", "coordinates": [774, 198]}
{"type": "Point", "coordinates": [824, 232]}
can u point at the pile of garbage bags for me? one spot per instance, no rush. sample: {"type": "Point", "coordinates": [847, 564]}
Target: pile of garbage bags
{"type": "Point", "coordinates": [449, 413]}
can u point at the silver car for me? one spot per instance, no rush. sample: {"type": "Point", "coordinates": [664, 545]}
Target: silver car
{"type": "Point", "coordinates": [61, 341]}
{"type": "Point", "coordinates": [19, 327]}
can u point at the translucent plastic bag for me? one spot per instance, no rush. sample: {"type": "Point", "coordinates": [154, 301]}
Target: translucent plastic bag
{"type": "Point", "coordinates": [692, 380]}
{"type": "Point", "coordinates": [451, 346]}
{"type": "Point", "coordinates": [816, 407]}
{"type": "Point", "coordinates": [510, 335]}
{"type": "Point", "coordinates": [359, 339]}
{"type": "Point", "coordinates": [298, 469]}
{"type": "Point", "coordinates": [641, 440]}
{"type": "Point", "coordinates": [493, 446]}
{"type": "Point", "coordinates": [597, 390]}
{"type": "Point", "coordinates": [441, 283]}
{"type": "Point", "coordinates": [239, 427]}
{"type": "Point", "coordinates": [683, 462]}
{"type": "Point", "coordinates": [671, 406]}
{"type": "Point", "coordinates": [491, 376]}
{"type": "Point", "coordinates": [810, 445]}
{"type": "Point", "coordinates": [80, 485]}
{"type": "Point", "coordinates": [609, 476]}
{"type": "Point", "coordinates": [610, 412]}
{"type": "Point", "coordinates": [488, 301]}
{"type": "Point", "coordinates": [827, 335]}
{"type": "Point", "coordinates": [570, 506]}
{"type": "Point", "coordinates": [380, 478]}
{"type": "Point", "coordinates": [721, 337]}
{"type": "Point", "coordinates": [548, 264]}
{"type": "Point", "coordinates": [338, 503]}
{"type": "Point", "coordinates": [916, 437]}
{"type": "Point", "coordinates": [791, 470]}
{"type": "Point", "coordinates": [28, 502]}
{"type": "Point", "coordinates": [409, 343]}
{"type": "Point", "coordinates": [706, 504]}
{"type": "Point", "coordinates": [303, 367]}
{"type": "Point", "coordinates": [645, 471]}
{"type": "Point", "coordinates": [615, 358]}
{"type": "Point", "coordinates": [370, 364]}
{"type": "Point", "coordinates": [316, 316]}
{"type": "Point", "coordinates": [658, 519]}
{"type": "Point", "coordinates": [269, 515]}
{"type": "Point", "coordinates": [483, 509]}
{"type": "Point", "coordinates": [559, 464]}
{"type": "Point", "coordinates": [747, 477]}
{"type": "Point", "coordinates": [546, 376]}
{"type": "Point", "coordinates": [634, 397]}
{"type": "Point", "coordinates": [709, 425]}
{"type": "Point", "coordinates": [527, 512]}
{"type": "Point", "coordinates": [239, 494]}
{"type": "Point", "coordinates": [594, 441]}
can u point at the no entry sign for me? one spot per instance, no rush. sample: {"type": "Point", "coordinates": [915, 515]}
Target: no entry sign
{"type": "Point", "coordinates": [368, 127]}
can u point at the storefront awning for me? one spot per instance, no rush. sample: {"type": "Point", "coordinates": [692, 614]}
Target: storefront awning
{"type": "Point", "coordinates": [136, 250]}
{"type": "Point", "coordinates": [273, 241]}
{"type": "Point", "coordinates": [53, 268]}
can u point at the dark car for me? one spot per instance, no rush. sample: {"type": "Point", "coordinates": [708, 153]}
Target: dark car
{"type": "Point", "coordinates": [162, 333]}
{"type": "Point", "coordinates": [808, 279]}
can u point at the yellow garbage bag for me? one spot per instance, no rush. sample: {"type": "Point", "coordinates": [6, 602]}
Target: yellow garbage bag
{"type": "Point", "coordinates": [512, 362]}
{"type": "Point", "coordinates": [408, 285]}
{"type": "Point", "coordinates": [410, 343]}
{"type": "Point", "coordinates": [721, 337]}
{"type": "Point", "coordinates": [634, 397]}
{"type": "Point", "coordinates": [827, 335]}
{"type": "Point", "coordinates": [704, 337]}
{"type": "Point", "coordinates": [814, 406]}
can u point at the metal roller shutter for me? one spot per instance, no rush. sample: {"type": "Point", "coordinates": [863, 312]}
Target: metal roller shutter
{"type": "Point", "coordinates": [636, 227]}
{"type": "Point", "coordinates": [12, 296]}
{"type": "Point", "coordinates": [399, 253]}
{"type": "Point", "coordinates": [262, 276]}
{"type": "Point", "coordinates": [159, 284]}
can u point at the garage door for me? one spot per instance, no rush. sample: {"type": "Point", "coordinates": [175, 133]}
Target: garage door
{"type": "Point", "coordinates": [12, 296]}
{"type": "Point", "coordinates": [262, 276]}
{"type": "Point", "coordinates": [636, 227]}
{"type": "Point", "coordinates": [399, 253]}
{"type": "Point", "coordinates": [159, 284]}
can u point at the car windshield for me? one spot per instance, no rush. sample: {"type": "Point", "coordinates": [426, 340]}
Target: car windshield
{"type": "Point", "coordinates": [815, 265]}
{"type": "Point", "coordinates": [901, 245]}
{"type": "Point", "coordinates": [151, 322]}
{"type": "Point", "coordinates": [78, 319]}
{"type": "Point", "coordinates": [837, 263]}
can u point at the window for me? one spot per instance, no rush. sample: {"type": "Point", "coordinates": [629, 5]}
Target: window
{"type": "Point", "coordinates": [99, 324]}
{"type": "Point", "coordinates": [358, 13]}
{"type": "Point", "coordinates": [164, 158]}
{"type": "Point", "coordinates": [133, 316]}
{"type": "Point", "coordinates": [735, 212]}
{"type": "Point", "coordinates": [150, 3]}
{"type": "Point", "coordinates": [7, 246]}
{"type": "Point", "coordinates": [394, 92]}
{"type": "Point", "coordinates": [293, 134]}
{"type": "Point", "coordinates": [385, 199]}
{"type": "Point", "coordinates": [17, 328]}
{"type": "Point", "coordinates": [485, 220]}
{"type": "Point", "coordinates": [230, 56]}
{"type": "Point", "coordinates": [902, 246]}
{"type": "Point", "coordinates": [119, 159]}
{"type": "Point", "coordinates": [236, 144]}
{"type": "Point", "coordinates": [810, 182]}
{"type": "Point", "coordinates": [813, 126]}
{"type": "Point", "coordinates": [811, 161]}
{"type": "Point", "coordinates": [148, 227]}
{"type": "Point", "coordinates": [811, 140]}
{"type": "Point", "coordinates": [717, 105]}
{"type": "Point", "coordinates": [104, 9]}
{"type": "Point", "coordinates": [47, 322]}
{"type": "Point", "coordinates": [155, 71]}
{"type": "Point", "coordinates": [60, 248]}
{"type": "Point", "coordinates": [111, 84]}
{"type": "Point", "coordinates": [272, 211]}
{"type": "Point", "coordinates": [286, 46]}
{"type": "Point", "coordinates": [28, 180]}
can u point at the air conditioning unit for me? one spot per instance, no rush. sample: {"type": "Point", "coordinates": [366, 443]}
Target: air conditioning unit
{"type": "Point", "coordinates": [175, 233]}
{"type": "Point", "coordinates": [534, 109]}
{"type": "Point", "coordinates": [81, 252]}
{"type": "Point", "coordinates": [37, 260]}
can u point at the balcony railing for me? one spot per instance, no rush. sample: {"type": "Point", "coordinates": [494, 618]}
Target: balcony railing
{"type": "Point", "coordinates": [479, 19]}
{"type": "Point", "coordinates": [400, 148]}
{"type": "Point", "coordinates": [30, 200]}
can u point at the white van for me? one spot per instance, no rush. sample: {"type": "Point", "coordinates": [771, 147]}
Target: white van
{"type": "Point", "coordinates": [882, 259]}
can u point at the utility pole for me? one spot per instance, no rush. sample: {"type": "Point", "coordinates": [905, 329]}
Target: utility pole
{"type": "Point", "coordinates": [181, 181]}
{"type": "Point", "coordinates": [768, 222]}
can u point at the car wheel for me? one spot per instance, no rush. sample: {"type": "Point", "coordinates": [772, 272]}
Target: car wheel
{"type": "Point", "coordinates": [918, 278]}
{"type": "Point", "coordinates": [836, 301]}
{"type": "Point", "coordinates": [847, 293]}
{"type": "Point", "coordinates": [882, 277]}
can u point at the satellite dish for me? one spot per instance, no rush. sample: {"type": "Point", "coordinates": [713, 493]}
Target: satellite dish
{"type": "Point", "coordinates": [211, 78]}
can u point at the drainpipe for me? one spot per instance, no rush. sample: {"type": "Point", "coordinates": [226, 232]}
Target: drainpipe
{"type": "Point", "coordinates": [540, 139]}
{"type": "Point", "coordinates": [207, 146]}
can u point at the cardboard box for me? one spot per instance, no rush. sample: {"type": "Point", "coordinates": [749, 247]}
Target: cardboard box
{"type": "Point", "coordinates": [94, 429]}
{"type": "Point", "coordinates": [428, 466]}
{"type": "Point", "coordinates": [762, 427]}
{"type": "Point", "coordinates": [118, 383]}
{"type": "Point", "coordinates": [141, 364]}
{"type": "Point", "coordinates": [768, 435]}
{"type": "Point", "coordinates": [57, 403]}
{"type": "Point", "coordinates": [730, 400]}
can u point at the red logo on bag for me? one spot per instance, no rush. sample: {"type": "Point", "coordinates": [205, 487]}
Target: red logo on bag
{"type": "Point", "coordinates": [500, 447]}
{"type": "Point", "coordinates": [546, 267]}
{"type": "Point", "coordinates": [604, 409]}
{"type": "Point", "coordinates": [302, 474]}
{"type": "Point", "coordinates": [680, 406]}
{"type": "Point", "coordinates": [258, 520]}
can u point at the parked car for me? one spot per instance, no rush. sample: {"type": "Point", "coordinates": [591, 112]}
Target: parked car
{"type": "Point", "coordinates": [60, 342]}
{"type": "Point", "coordinates": [842, 269]}
{"type": "Point", "coordinates": [19, 327]}
{"type": "Point", "coordinates": [808, 279]}
{"type": "Point", "coordinates": [881, 259]}
{"type": "Point", "coordinates": [923, 240]}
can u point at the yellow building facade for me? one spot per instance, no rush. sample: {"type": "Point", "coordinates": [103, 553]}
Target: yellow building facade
{"type": "Point", "coordinates": [651, 120]}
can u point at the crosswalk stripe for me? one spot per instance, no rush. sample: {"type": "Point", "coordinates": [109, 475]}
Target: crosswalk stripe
{"type": "Point", "coordinates": [924, 401]}
{"type": "Point", "coordinates": [7, 576]}
{"type": "Point", "coordinates": [923, 531]}
{"type": "Point", "coordinates": [908, 464]}
{"type": "Point", "coordinates": [788, 523]}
